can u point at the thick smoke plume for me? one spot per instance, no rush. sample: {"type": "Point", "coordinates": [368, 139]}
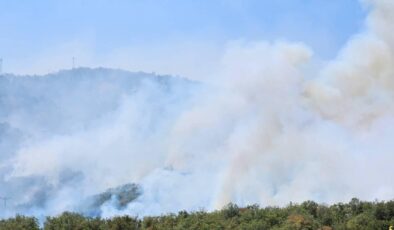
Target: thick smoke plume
{"type": "Point", "coordinates": [268, 129]}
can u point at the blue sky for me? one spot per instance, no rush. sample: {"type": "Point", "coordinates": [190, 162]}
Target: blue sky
{"type": "Point", "coordinates": [162, 35]}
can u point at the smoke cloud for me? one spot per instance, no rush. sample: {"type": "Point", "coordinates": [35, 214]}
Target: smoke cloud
{"type": "Point", "coordinates": [268, 128]}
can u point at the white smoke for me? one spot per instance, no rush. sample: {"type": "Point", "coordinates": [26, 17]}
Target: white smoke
{"type": "Point", "coordinates": [265, 130]}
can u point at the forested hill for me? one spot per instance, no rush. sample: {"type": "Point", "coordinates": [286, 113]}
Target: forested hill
{"type": "Point", "coordinates": [70, 99]}
{"type": "Point", "coordinates": [70, 107]}
{"type": "Point", "coordinates": [354, 215]}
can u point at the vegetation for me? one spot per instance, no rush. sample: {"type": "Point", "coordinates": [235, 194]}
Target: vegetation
{"type": "Point", "coordinates": [308, 215]}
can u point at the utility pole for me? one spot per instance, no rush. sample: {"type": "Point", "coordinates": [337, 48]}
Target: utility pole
{"type": "Point", "coordinates": [4, 200]}
{"type": "Point", "coordinates": [73, 62]}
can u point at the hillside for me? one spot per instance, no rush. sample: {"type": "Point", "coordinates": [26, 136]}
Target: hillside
{"type": "Point", "coordinates": [36, 110]}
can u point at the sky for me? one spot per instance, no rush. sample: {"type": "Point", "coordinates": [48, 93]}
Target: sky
{"type": "Point", "coordinates": [167, 36]}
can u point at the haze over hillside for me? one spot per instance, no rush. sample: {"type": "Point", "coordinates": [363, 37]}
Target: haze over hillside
{"type": "Point", "coordinates": [113, 113]}
{"type": "Point", "coordinates": [272, 124]}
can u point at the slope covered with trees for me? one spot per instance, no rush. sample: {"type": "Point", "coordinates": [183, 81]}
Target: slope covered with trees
{"type": "Point", "coordinates": [354, 215]}
{"type": "Point", "coordinates": [121, 111]}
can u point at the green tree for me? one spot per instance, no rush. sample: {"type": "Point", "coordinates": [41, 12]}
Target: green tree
{"type": "Point", "coordinates": [362, 221]}
{"type": "Point", "coordinates": [19, 223]}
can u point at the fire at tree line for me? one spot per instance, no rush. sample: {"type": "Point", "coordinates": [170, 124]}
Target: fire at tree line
{"type": "Point", "coordinates": [354, 215]}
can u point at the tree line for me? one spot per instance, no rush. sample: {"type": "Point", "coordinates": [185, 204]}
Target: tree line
{"type": "Point", "coordinates": [354, 215]}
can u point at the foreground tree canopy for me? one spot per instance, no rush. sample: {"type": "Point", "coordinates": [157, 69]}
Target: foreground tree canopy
{"type": "Point", "coordinates": [356, 214]}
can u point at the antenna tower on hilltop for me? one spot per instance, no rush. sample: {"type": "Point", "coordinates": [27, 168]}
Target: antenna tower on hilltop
{"type": "Point", "coordinates": [4, 200]}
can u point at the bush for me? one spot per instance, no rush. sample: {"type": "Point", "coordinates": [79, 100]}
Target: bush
{"type": "Point", "coordinates": [307, 215]}
{"type": "Point", "coordinates": [19, 223]}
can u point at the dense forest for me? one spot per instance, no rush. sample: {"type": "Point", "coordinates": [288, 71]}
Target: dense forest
{"type": "Point", "coordinates": [355, 215]}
